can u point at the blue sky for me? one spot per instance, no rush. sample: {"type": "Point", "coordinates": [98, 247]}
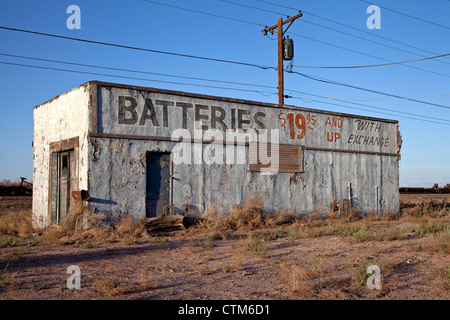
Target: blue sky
{"type": "Point", "coordinates": [318, 42]}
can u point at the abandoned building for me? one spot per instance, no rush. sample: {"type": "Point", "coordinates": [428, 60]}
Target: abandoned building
{"type": "Point", "coordinates": [119, 149]}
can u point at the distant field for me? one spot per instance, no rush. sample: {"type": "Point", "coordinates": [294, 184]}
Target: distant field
{"type": "Point", "coordinates": [415, 198]}
{"type": "Point", "coordinates": [406, 200]}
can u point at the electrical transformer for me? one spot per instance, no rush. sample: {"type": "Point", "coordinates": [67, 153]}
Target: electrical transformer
{"type": "Point", "coordinates": [288, 49]}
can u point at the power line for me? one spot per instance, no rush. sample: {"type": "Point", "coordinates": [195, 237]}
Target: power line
{"type": "Point", "coordinates": [364, 105]}
{"type": "Point", "coordinates": [410, 16]}
{"type": "Point", "coordinates": [353, 28]}
{"type": "Point", "coordinates": [351, 35]}
{"type": "Point", "coordinates": [132, 78]}
{"type": "Point", "coordinates": [137, 48]}
{"type": "Point", "coordinates": [364, 39]}
{"type": "Point", "coordinates": [364, 89]}
{"type": "Point", "coordinates": [336, 46]}
{"type": "Point", "coordinates": [190, 84]}
{"type": "Point", "coordinates": [239, 20]}
{"type": "Point", "coordinates": [190, 78]}
{"type": "Point", "coordinates": [376, 35]}
{"type": "Point", "coordinates": [251, 7]}
{"type": "Point", "coordinates": [255, 8]}
{"type": "Point", "coordinates": [348, 34]}
{"type": "Point", "coordinates": [277, 5]}
{"type": "Point", "coordinates": [377, 65]}
{"type": "Point", "coordinates": [386, 113]}
{"type": "Point", "coordinates": [197, 57]}
{"type": "Point", "coordinates": [325, 27]}
{"type": "Point", "coordinates": [204, 13]}
{"type": "Point", "coordinates": [344, 106]}
{"type": "Point", "coordinates": [149, 50]}
{"type": "Point", "coordinates": [134, 71]}
{"type": "Point", "coordinates": [365, 54]}
{"type": "Point", "coordinates": [354, 101]}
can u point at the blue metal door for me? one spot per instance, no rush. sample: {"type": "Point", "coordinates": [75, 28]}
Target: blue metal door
{"type": "Point", "coordinates": [158, 183]}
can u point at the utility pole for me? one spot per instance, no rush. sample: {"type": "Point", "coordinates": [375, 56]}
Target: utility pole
{"type": "Point", "coordinates": [280, 32]}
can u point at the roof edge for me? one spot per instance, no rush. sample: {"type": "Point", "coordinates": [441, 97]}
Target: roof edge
{"type": "Point", "coordinates": [211, 97]}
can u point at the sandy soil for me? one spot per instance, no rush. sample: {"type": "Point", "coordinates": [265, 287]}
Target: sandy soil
{"type": "Point", "coordinates": [190, 264]}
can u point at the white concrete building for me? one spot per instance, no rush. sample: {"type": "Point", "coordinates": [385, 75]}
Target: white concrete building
{"type": "Point", "coordinates": [121, 144]}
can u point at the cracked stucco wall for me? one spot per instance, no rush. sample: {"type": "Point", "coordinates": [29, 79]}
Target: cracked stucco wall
{"type": "Point", "coordinates": [118, 181]}
{"type": "Point", "coordinates": [64, 117]}
{"type": "Point", "coordinates": [112, 155]}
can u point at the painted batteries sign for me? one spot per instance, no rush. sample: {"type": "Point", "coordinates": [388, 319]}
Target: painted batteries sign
{"type": "Point", "coordinates": [133, 112]}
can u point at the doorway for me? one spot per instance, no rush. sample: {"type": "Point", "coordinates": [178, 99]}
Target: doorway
{"type": "Point", "coordinates": [158, 183]}
{"type": "Point", "coordinates": [62, 184]}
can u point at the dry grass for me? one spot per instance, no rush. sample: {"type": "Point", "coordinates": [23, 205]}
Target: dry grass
{"type": "Point", "coordinates": [257, 246]}
{"type": "Point", "coordinates": [109, 287]}
{"type": "Point", "coordinates": [423, 221]}
{"type": "Point", "coordinates": [315, 279]}
{"type": "Point", "coordinates": [318, 278]}
{"type": "Point", "coordinates": [442, 275]}
{"type": "Point", "coordinates": [17, 223]}
{"type": "Point", "coordinates": [147, 280]}
{"type": "Point", "coordinates": [9, 183]}
{"type": "Point", "coordinates": [16, 230]}
{"type": "Point", "coordinates": [250, 216]}
{"type": "Point", "coordinates": [254, 234]}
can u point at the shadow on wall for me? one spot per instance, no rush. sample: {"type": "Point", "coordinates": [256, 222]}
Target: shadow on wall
{"type": "Point", "coordinates": [102, 201]}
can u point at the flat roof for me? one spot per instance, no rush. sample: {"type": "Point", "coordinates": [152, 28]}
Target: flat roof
{"type": "Point", "coordinates": [210, 97]}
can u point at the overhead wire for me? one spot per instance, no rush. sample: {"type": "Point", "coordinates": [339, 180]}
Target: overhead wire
{"type": "Point", "coordinates": [182, 83]}
{"type": "Point", "coordinates": [280, 5]}
{"type": "Point", "coordinates": [365, 39]}
{"type": "Point", "coordinates": [408, 15]}
{"type": "Point", "coordinates": [338, 31]}
{"type": "Point", "coordinates": [378, 112]}
{"type": "Point", "coordinates": [132, 71]}
{"type": "Point", "coordinates": [207, 86]}
{"type": "Point", "coordinates": [205, 58]}
{"type": "Point", "coordinates": [345, 33]}
{"type": "Point", "coordinates": [398, 99]}
{"type": "Point", "coordinates": [309, 95]}
{"type": "Point", "coordinates": [146, 49]}
{"type": "Point", "coordinates": [364, 89]}
{"type": "Point", "coordinates": [376, 35]}
{"type": "Point", "coordinates": [191, 56]}
{"type": "Point", "coordinates": [251, 7]}
{"type": "Point", "coordinates": [365, 54]}
{"type": "Point", "coordinates": [189, 77]}
{"type": "Point", "coordinates": [132, 78]}
{"type": "Point", "coordinates": [374, 65]}
{"type": "Point", "coordinates": [353, 28]}
{"type": "Point", "coordinates": [270, 11]}
{"type": "Point", "coordinates": [204, 13]}
{"type": "Point", "coordinates": [228, 61]}
{"type": "Point", "coordinates": [136, 48]}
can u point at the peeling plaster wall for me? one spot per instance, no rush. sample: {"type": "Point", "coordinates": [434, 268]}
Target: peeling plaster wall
{"type": "Point", "coordinates": [118, 180]}
{"type": "Point", "coordinates": [63, 117]}
{"type": "Point", "coordinates": [117, 176]}
{"type": "Point", "coordinates": [329, 174]}
{"type": "Point", "coordinates": [112, 155]}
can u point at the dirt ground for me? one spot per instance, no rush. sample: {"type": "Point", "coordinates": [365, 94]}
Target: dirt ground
{"type": "Point", "coordinates": [276, 263]}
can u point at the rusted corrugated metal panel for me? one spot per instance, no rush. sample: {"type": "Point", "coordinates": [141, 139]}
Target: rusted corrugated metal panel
{"type": "Point", "coordinates": [290, 158]}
